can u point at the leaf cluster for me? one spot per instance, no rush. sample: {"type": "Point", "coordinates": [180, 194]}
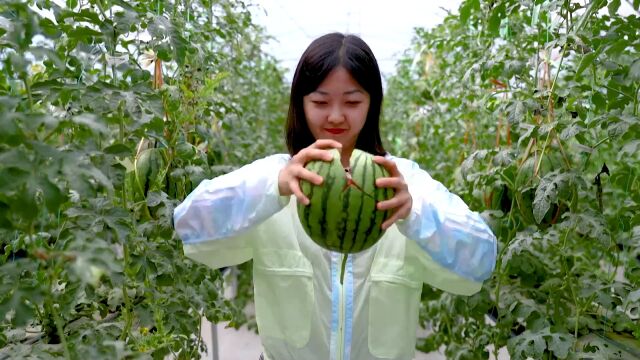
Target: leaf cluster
{"type": "Point", "coordinates": [530, 111]}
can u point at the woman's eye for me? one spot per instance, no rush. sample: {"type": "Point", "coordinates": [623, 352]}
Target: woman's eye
{"type": "Point", "coordinates": [319, 102]}
{"type": "Point", "coordinates": [353, 102]}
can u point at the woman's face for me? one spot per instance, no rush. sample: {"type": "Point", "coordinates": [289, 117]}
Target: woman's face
{"type": "Point", "coordinates": [337, 109]}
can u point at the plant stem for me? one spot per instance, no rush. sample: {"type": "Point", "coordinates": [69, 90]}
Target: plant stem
{"type": "Point", "coordinates": [127, 302]}
{"type": "Point", "coordinates": [601, 142]}
{"type": "Point", "coordinates": [617, 91]}
{"type": "Point", "coordinates": [113, 50]}
{"type": "Point", "coordinates": [53, 276]}
{"type": "Point", "coordinates": [199, 342]}
{"type": "Point", "coordinates": [544, 147]}
{"type": "Point", "coordinates": [635, 101]}
{"type": "Point", "coordinates": [27, 87]}
{"type": "Point", "coordinates": [510, 237]}
{"type": "Point", "coordinates": [564, 154]}
{"type": "Point", "coordinates": [553, 85]}
{"type": "Point", "coordinates": [60, 328]}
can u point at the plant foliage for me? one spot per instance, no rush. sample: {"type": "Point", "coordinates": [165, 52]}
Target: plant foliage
{"type": "Point", "coordinates": [530, 111]}
{"type": "Point", "coordinates": [112, 112]}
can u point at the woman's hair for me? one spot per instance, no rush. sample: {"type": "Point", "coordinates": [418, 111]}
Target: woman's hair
{"type": "Point", "coordinates": [322, 56]}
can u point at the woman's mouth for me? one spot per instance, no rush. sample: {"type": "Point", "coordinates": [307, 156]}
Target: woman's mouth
{"type": "Point", "coordinates": [335, 131]}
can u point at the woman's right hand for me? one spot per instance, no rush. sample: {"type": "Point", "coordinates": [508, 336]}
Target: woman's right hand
{"type": "Point", "coordinates": [290, 176]}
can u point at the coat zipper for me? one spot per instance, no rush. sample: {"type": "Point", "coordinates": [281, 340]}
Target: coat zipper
{"type": "Point", "coordinates": [341, 322]}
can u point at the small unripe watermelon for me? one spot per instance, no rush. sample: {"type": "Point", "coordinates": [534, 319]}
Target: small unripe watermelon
{"type": "Point", "coordinates": [342, 214]}
{"type": "Point", "coordinates": [149, 165]}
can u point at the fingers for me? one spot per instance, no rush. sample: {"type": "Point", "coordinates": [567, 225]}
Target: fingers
{"type": "Point", "coordinates": [326, 144]}
{"type": "Point", "coordinates": [391, 182]}
{"type": "Point", "coordinates": [296, 171]}
{"type": "Point", "coordinates": [312, 153]}
{"type": "Point", "coordinates": [310, 176]}
{"type": "Point", "coordinates": [400, 204]}
{"type": "Point", "coordinates": [297, 192]}
{"type": "Point", "coordinates": [319, 154]}
{"type": "Point", "coordinates": [388, 164]}
{"type": "Point", "coordinates": [398, 215]}
{"type": "Point", "coordinates": [395, 202]}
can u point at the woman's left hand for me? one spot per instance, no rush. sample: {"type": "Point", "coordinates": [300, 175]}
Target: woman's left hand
{"type": "Point", "coordinates": [401, 202]}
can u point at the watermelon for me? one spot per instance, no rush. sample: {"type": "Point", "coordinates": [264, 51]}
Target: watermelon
{"type": "Point", "coordinates": [149, 168]}
{"type": "Point", "coordinates": [342, 214]}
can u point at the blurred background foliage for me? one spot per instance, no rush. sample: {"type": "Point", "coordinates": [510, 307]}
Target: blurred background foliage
{"type": "Point", "coordinates": [529, 110]}
{"type": "Point", "coordinates": [113, 111]}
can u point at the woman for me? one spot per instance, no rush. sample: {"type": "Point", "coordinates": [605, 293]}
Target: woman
{"type": "Point", "coordinates": [303, 311]}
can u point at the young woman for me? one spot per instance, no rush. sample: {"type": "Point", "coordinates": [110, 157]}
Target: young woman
{"type": "Point", "coordinates": [303, 311]}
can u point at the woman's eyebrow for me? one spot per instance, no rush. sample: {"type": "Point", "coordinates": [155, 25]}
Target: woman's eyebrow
{"type": "Point", "coordinates": [348, 92]}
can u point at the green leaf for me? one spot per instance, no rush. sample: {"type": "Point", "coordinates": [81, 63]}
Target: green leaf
{"type": "Point", "coordinates": [24, 203]}
{"type": "Point", "coordinates": [560, 343]}
{"type": "Point", "coordinates": [586, 61]}
{"type": "Point", "coordinates": [532, 344]}
{"type": "Point", "coordinates": [12, 181]}
{"type": "Point", "coordinates": [532, 131]}
{"type": "Point", "coordinates": [629, 149]}
{"type": "Point", "coordinates": [613, 7]}
{"type": "Point", "coordinates": [84, 15]}
{"type": "Point", "coordinates": [495, 19]}
{"type": "Point", "coordinates": [523, 241]}
{"type": "Point", "coordinates": [466, 8]}
{"type": "Point", "coordinates": [125, 21]}
{"type": "Point", "coordinates": [598, 347]}
{"type": "Point", "coordinates": [179, 45]}
{"type": "Point", "coordinates": [53, 196]}
{"type": "Point", "coordinates": [118, 149]}
{"type": "Point", "coordinates": [588, 225]}
{"type": "Point", "coordinates": [599, 101]}
{"type": "Point", "coordinates": [160, 27]}
{"type": "Point", "coordinates": [125, 4]}
{"type": "Point", "coordinates": [49, 28]}
{"type": "Point", "coordinates": [552, 186]}
{"type": "Point", "coordinates": [154, 198]}
{"type": "Point", "coordinates": [91, 121]}
{"type": "Point", "coordinates": [18, 294]}
{"type": "Point", "coordinates": [572, 130]}
{"type": "Point", "coordinates": [84, 34]}
{"type": "Point", "coordinates": [468, 163]}
{"type": "Point", "coordinates": [527, 344]}
{"type": "Point", "coordinates": [618, 126]}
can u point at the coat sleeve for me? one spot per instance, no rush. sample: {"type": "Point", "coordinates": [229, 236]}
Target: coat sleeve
{"type": "Point", "coordinates": [445, 228]}
{"type": "Point", "coordinates": [217, 221]}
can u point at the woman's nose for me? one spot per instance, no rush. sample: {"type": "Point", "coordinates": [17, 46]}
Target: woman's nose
{"type": "Point", "coordinates": [336, 115]}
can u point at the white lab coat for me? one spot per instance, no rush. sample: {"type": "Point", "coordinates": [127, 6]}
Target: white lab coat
{"type": "Point", "coordinates": [302, 310]}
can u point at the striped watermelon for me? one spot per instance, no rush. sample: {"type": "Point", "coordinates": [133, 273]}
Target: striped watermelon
{"type": "Point", "coordinates": [342, 214]}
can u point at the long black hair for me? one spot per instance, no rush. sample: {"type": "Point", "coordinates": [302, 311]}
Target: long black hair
{"type": "Point", "coordinates": [322, 56]}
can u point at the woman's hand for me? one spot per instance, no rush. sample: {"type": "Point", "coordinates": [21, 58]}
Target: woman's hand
{"type": "Point", "coordinates": [290, 176]}
{"type": "Point", "coordinates": [401, 202]}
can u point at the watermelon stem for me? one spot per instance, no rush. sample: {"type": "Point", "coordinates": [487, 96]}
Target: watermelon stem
{"type": "Point", "coordinates": [344, 264]}
{"type": "Point", "coordinates": [350, 182]}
